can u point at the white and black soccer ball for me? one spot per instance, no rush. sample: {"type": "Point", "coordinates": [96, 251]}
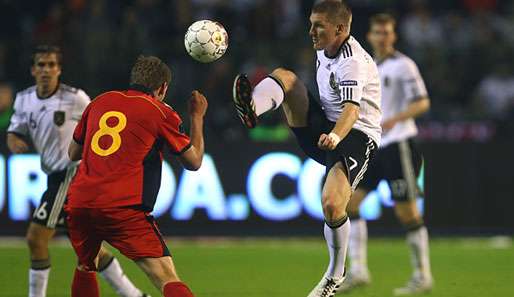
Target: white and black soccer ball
{"type": "Point", "coordinates": [206, 41]}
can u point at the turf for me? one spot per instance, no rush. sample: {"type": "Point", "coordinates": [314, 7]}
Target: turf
{"type": "Point", "coordinates": [268, 268]}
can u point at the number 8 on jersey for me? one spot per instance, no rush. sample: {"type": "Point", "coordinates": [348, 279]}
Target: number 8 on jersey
{"type": "Point", "coordinates": [113, 132]}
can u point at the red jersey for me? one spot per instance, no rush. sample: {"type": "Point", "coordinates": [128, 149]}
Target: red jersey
{"type": "Point", "coordinates": [123, 134]}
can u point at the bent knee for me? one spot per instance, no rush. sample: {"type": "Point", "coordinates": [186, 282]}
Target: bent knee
{"type": "Point", "coordinates": [333, 209]}
{"type": "Point", "coordinates": [286, 77]}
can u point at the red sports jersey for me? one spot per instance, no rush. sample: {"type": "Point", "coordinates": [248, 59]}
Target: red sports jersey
{"type": "Point", "coordinates": [122, 134]}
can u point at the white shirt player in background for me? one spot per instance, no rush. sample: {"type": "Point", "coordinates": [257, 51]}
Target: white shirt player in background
{"type": "Point", "coordinates": [341, 132]}
{"type": "Point", "coordinates": [46, 115]}
{"type": "Point", "coordinates": [404, 97]}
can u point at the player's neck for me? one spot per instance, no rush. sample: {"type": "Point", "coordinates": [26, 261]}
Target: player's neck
{"type": "Point", "coordinates": [332, 50]}
{"type": "Point", "coordinates": [381, 55]}
{"type": "Point", "coordinates": [46, 90]}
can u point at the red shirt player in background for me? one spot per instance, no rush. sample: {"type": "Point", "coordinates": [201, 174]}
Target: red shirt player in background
{"type": "Point", "coordinates": [120, 139]}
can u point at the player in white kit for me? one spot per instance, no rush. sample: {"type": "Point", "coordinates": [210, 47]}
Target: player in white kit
{"type": "Point", "coordinates": [404, 97]}
{"type": "Point", "coordinates": [46, 114]}
{"type": "Point", "coordinates": [341, 131]}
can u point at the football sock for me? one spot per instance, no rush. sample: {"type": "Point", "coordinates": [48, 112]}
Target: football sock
{"type": "Point", "coordinates": [417, 239]}
{"type": "Point", "coordinates": [267, 94]}
{"type": "Point", "coordinates": [176, 289]}
{"type": "Point", "coordinates": [337, 236]}
{"type": "Point", "coordinates": [38, 277]}
{"type": "Point", "coordinates": [358, 246]}
{"type": "Point", "coordinates": [84, 284]}
{"type": "Point", "coordinates": [112, 272]}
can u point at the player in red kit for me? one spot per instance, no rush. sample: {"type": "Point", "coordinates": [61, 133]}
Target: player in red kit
{"type": "Point", "coordinates": [120, 140]}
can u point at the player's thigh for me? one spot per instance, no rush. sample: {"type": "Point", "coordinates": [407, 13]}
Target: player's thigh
{"type": "Point", "coordinates": [336, 192]}
{"type": "Point", "coordinates": [296, 100]}
{"type": "Point", "coordinates": [407, 211]}
{"type": "Point", "coordinates": [356, 200]}
{"type": "Point", "coordinates": [159, 270]}
{"type": "Point", "coordinates": [84, 237]}
{"type": "Point", "coordinates": [134, 233]}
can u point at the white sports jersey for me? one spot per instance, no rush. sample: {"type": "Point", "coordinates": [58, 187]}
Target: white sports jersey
{"type": "Point", "coordinates": [49, 123]}
{"type": "Point", "coordinates": [401, 85]}
{"type": "Point", "coordinates": [350, 77]}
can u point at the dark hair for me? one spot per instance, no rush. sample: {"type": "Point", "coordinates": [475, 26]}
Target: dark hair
{"type": "Point", "coordinates": [337, 11]}
{"type": "Point", "coordinates": [47, 49]}
{"type": "Point", "coordinates": [382, 19]}
{"type": "Point", "coordinates": [150, 72]}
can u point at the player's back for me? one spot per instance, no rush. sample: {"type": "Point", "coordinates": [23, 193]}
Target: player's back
{"type": "Point", "coordinates": [122, 135]}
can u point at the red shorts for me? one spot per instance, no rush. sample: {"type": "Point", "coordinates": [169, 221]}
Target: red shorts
{"type": "Point", "coordinates": [133, 232]}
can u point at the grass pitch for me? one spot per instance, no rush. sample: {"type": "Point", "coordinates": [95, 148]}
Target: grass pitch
{"type": "Point", "coordinates": [288, 268]}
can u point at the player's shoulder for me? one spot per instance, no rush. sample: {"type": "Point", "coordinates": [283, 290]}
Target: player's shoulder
{"type": "Point", "coordinates": [27, 92]}
{"type": "Point", "coordinates": [72, 92]}
{"type": "Point", "coordinates": [403, 61]}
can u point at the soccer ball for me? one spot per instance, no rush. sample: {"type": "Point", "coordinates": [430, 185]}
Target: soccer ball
{"type": "Point", "coordinates": [206, 41]}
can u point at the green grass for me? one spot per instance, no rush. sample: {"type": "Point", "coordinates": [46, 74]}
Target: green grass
{"type": "Point", "coordinates": [268, 268]}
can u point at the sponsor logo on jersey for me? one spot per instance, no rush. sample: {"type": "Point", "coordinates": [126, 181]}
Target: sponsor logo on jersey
{"type": "Point", "coordinates": [347, 83]}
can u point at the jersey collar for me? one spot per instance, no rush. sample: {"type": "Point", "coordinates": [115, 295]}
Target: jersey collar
{"type": "Point", "coordinates": [141, 89]}
{"type": "Point", "coordinates": [51, 94]}
{"type": "Point", "coordinates": [339, 50]}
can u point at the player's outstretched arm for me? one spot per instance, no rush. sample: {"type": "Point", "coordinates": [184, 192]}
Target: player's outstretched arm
{"type": "Point", "coordinates": [192, 158]}
{"type": "Point", "coordinates": [75, 151]}
{"type": "Point", "coordinates": [16, 144]}
{"type": "Point", "coordinates": [344, 124]}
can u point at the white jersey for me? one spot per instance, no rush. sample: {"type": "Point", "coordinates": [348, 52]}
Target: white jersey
{"type": "Point", "coordinates": [49, 123]}
{"type": "Point", "coordinates": [350, 77]}
{"type": "Point", "coordinates": [401, 85]}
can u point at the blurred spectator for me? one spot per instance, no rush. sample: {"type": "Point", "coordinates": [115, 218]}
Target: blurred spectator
{"type": "Point", "coordinates": [6, 102]}
{"type": "Point", "coordinates": [496, 93]}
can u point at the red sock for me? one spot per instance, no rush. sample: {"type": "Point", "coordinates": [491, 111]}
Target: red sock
{"type": "Point", "coordinates": [176, 289]}
{"type": "Point", "coordinates": [84, 284]}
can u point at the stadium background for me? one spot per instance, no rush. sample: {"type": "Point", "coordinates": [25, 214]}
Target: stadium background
{"type": "Point", "coordinates": [251, 183]}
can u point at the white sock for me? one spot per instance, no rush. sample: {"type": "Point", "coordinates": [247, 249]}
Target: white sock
{"type": "Point", "coordinates": [38, 281]}
{"type": "Point", "coordinates": [337, 243]}
{"type": "Point", "coordinates": [267, 94]}
{"type": "Point", "coordinates": [358, 246]}
{"type": "Point", "coordinates": [419, 251]}
{"type": "Point", "coordinates": [114, 275]}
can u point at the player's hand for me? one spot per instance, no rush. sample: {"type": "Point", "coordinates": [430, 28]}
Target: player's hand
{"type": "Point", "coordinates": [16, 145]}
{"type": "Point", "coordinates": [197, 104]}
{"type": "Point", "coordinates": [388, 125]}
{"type": "Point", "coordinates": [326, 142]}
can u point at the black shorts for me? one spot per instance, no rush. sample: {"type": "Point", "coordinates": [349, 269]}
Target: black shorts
{"type": "Point", "coordinates": [50, 211]}
{"type": "Point", "coordinates": [399, 164]}
{"type": "Point", "coordinates": [354, 151]}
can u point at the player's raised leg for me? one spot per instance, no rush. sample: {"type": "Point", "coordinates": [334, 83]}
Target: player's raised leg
{"type": "Point", "coordinates": [163, 275]}
{"type": "Point", "coordinates": [110, 269]}
{"type": "Point", "coordinates": [358, 274]}
{"type": "Point", "coordinates": [335, 196]}
{"type": "Point", "coordinates": [417, 240]}
{"type": "Point", "coordinates": [38, 237]}
{"type": "Point", "coordinates": [281, 87]}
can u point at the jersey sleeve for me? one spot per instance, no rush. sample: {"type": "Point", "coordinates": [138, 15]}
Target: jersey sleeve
{"type": "Point", "coordinates": [81, 101]}
{"type": "Point", "coordinates": [351, 78]}
{"type": "Point", "coordinates": [173, 132]}
{"type": "Point", "coordinates": [19, 119]}
{"type": "Point", "coordinates": [79, 135]}
{"type": "Point", "coordinates": [412, 82]}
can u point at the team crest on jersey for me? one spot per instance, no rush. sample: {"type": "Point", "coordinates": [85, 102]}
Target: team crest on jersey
{"type": "Point", "coordinates": [59, 117]}
{"type": "Point", "coordinates": [332, 81]}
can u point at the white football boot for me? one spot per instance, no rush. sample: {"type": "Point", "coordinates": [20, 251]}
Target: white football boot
{"type": "Point", "coordinates": [355, 279]}
{"type": "Point", "coordinates": [417, 285]}
{"type": "Point", "coordinates": [327, 287]}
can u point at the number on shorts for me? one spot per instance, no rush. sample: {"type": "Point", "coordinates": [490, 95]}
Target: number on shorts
{"type": "Point", "coordinates": [113, 132]}
{"type": "Point", "coordinates": [41, 212]}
